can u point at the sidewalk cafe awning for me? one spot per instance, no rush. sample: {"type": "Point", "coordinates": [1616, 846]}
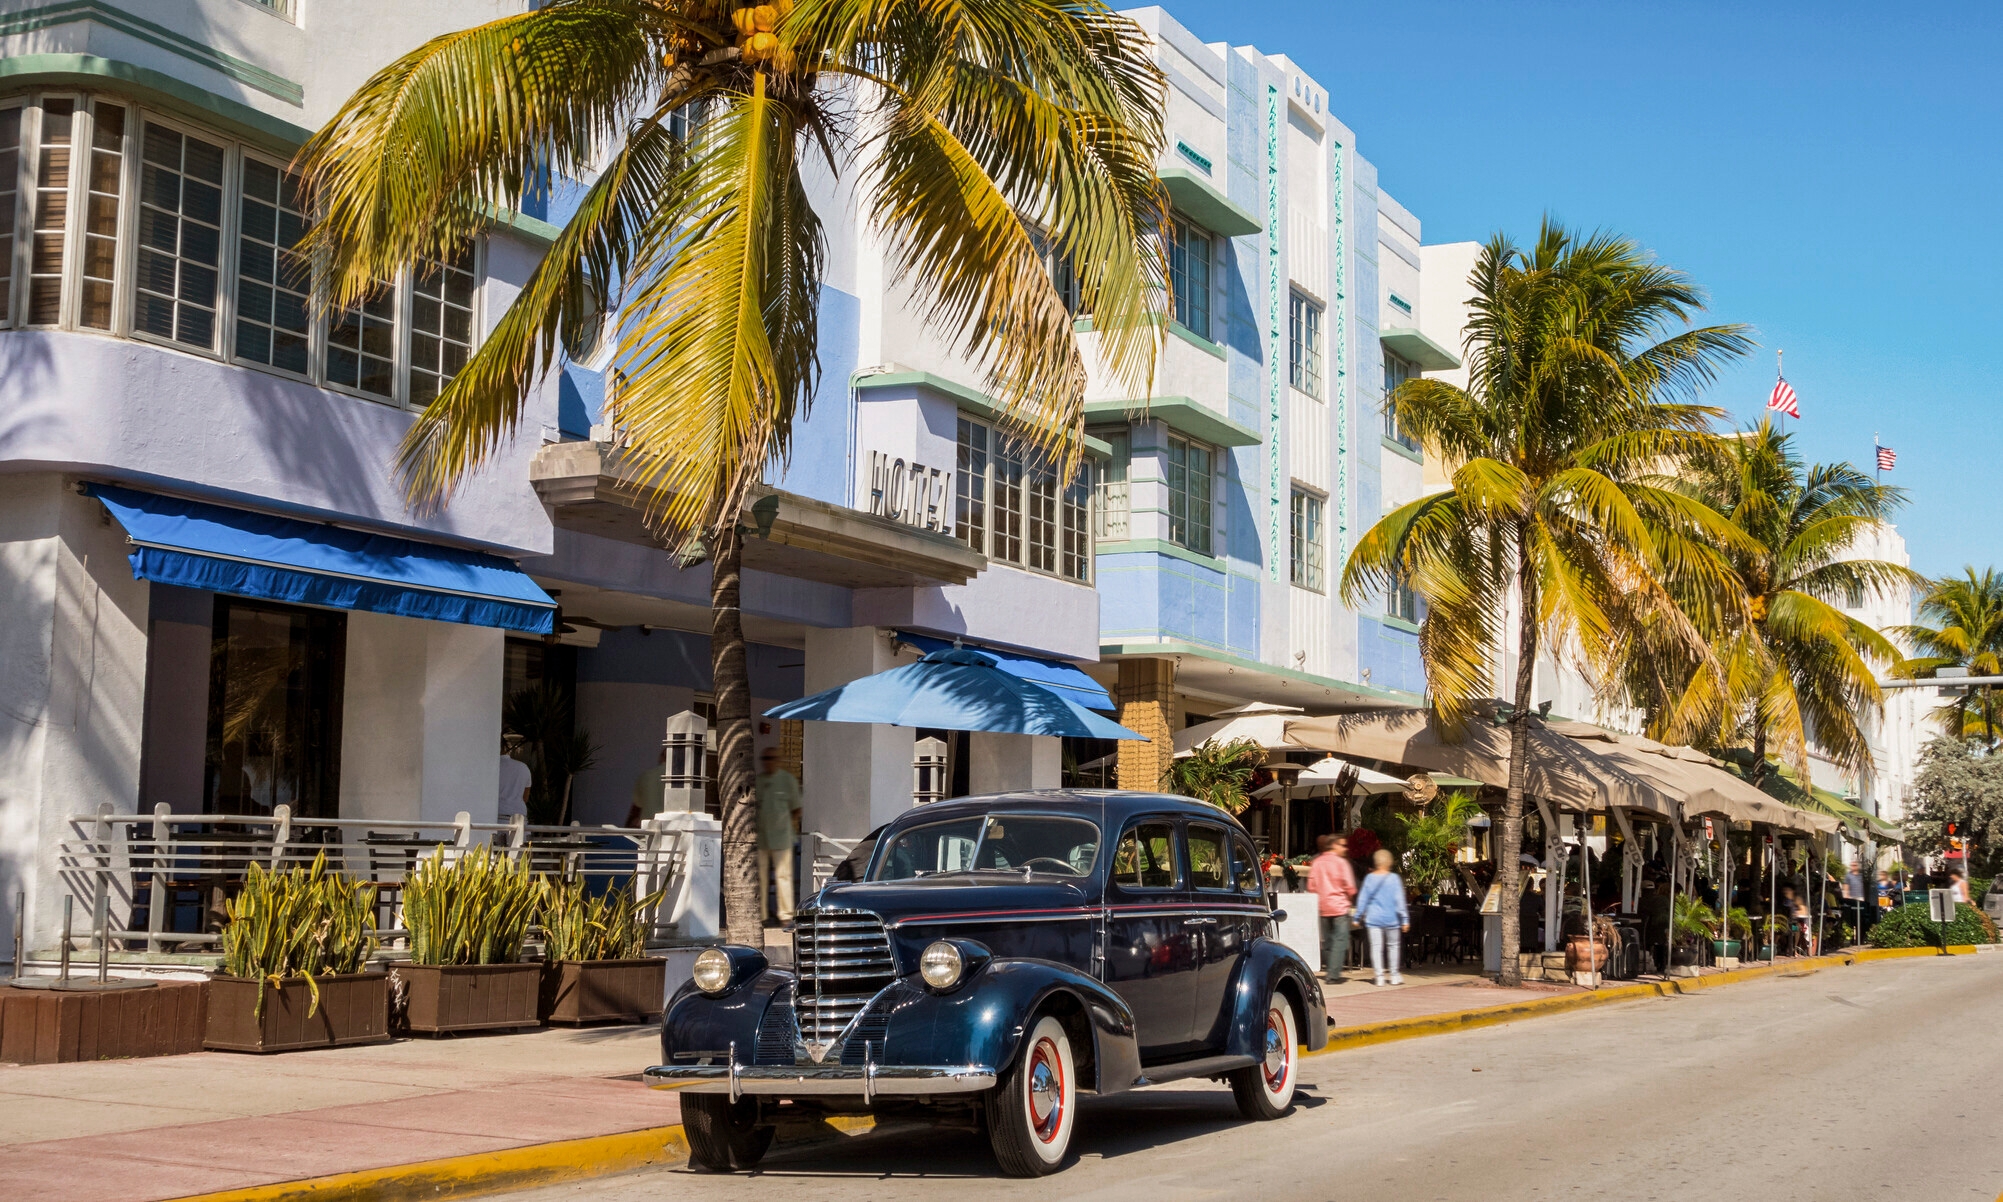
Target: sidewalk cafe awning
{"type": "Point", "coordinates": [1561, 770]}
{"type": "Point", "coordinates": [1261, 722]}
{"type": "Point", "coordinates": [197, 545]}
{"type": "Point", "coordinates": [1695, 779]}
{"type": "Point", "coordinates": [955, 689]}
{"type": "Point", "coordinates": [1065, 679]}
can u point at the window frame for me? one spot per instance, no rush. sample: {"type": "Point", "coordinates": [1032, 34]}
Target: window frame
{"type": "Point", "coordinates": [124, 290]}
{"type": "Point", "coordinates": [1176, 855]}
{"type": "Point", "coordinates": [1306, 322]}
{"type": "Point", "coordinates": [1307, 554]}
{"type": "Point", "coordinates": [1401, 601]}
{"type": "Point", "coordinates": [1392, 429]}
{"type": "Point", "coordinates": [1190, 828]}
{"type": "Point", "coordinates": [1181, 537]}
{"type": "Point", "coordinates": [1242, 847]}
{"type": "Point", "coordinates": [1112, 486]}
{"type": "Point", "coordinates": [1003, 452]}
{"type": "Point", "coordinates": [1183, 234]}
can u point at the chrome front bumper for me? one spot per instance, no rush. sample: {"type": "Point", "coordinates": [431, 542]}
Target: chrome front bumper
{"type": "Point", "coordinates": [865, 1081]}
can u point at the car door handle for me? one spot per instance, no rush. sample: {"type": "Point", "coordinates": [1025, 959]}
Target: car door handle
{"type": "Point", "coordinates": [1199, 922]}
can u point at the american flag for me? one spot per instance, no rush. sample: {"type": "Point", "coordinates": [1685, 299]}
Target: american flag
{"type": "Point", "coordinates": [1783, 398]}
{"type": "Point", "coordinates": [1887, 459]}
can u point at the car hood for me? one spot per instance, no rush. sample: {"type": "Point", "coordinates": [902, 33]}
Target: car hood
{"type": "Point", "coordinates": [958, 894]}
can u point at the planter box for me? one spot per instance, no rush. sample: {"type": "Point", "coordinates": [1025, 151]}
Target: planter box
{"type": "Point", "coordinates": [41, 1026]}
{"type": "Point", "coordinates": [439, 998]}
{"type": "Point", "coordinates": [591, 991]}
{"type": "Point", "coordinates": [353, 1009]}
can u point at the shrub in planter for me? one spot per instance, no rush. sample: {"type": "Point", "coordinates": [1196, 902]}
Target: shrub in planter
{"type": "Point", "coordinates": [468, 916]}
{"type": "Point", "coordinates": [597, 947]}
{"type": "Point", "coordinates": [1910, 926]}
{"type": "Point", "coordinates": [293, 953]}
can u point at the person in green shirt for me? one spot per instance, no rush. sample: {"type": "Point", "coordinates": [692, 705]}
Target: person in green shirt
{"type": "Point", "coordinates": [778, 816]}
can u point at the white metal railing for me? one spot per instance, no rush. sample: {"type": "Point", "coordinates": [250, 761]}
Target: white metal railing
{"type": "Point", "coordinates": [138, 872]}
{"type": "Point", "coordinates": [819, 856]}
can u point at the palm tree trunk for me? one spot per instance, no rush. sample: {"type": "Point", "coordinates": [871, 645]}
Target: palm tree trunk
{"type": "Point", "coordinates": [1756, 775]}
{"type": "Point", "coordinates": [743, 891]}
{"type": "Point", "coordinates": [1508, 868]}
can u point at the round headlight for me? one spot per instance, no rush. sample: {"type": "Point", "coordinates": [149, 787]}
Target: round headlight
{"type": "Point", "coordinates": [941, 965]}
{"type": "Point", "coordinates": [712, 970]}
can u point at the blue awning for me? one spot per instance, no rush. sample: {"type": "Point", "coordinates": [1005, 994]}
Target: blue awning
{"type": "Point", "coordinates": [1055, 674]}
{"type": "Point", "coordinates": [196, 545]}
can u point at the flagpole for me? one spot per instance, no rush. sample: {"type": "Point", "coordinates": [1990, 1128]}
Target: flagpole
{"type": "Point", "coordinates": [1877, 464]}
{"type": "Point", "coordinates": [1780, 373]}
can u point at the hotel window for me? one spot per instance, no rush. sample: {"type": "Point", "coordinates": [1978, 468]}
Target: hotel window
{"type": "Point", "coordinates": [1396, 372]}
{"type": "Point", "coordinates": [1189, 275]}
{"type": "Point", "coordinates": [274, 281]}
{"type": "Point", "coordinates": [10, 199]}
{"type": "Point", "coordinates": [1305, 563]}
{"type": "Point", "coordinates": [1402, 603]}
{"type": "Point", "coordinates": [1189, 495]}
{"type": "Point", "coordinates": [1109, 486]}
{"type": "Point", "coordinates": [180, 237]}
{"type": "Point", "coordinates": [207, 256]}
{"type": "Point", "coordinates": [1304, 344]}
{"type": "Point", "coordinates": [1009, 506]}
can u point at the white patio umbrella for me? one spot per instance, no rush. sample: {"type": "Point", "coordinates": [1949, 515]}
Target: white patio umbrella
{"type": "Point", "coordinates": [1259, 721]}
{"type": "Point", "coordinates": [1324, 776]}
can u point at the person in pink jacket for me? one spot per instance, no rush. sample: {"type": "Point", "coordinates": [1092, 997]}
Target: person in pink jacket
{"type": "Point", "coordinates": [1333, 882]}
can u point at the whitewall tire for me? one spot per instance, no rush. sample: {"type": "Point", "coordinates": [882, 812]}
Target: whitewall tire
{"type": "Point", "coordinates": [1032, 1112]}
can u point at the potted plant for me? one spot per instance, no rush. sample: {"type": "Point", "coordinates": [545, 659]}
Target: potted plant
{"type": "Point", "coordinates": [468, 916]}
{"type": "Point", "coordinates": [293, 952]}
{"type": "Point", "coordinates": [597, 968]}
{"type": "Point", "coordinates": [1590, 953]}
{"type": "Point", "coordinates": [1738, 927]}
{"type": "Point", "coordinates": [1432, 838]}
{"type": "Point", "coordinates": [1694, 925]}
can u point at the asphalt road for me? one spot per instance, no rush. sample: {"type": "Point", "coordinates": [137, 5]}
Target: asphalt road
{"type": "Point", "coordinates": [1875, 1081]}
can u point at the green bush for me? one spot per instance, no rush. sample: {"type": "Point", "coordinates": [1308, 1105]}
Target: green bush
{"type": "Point", "coordinates": [1909, 926]}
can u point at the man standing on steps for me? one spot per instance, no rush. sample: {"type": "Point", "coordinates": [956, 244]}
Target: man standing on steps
{"type": "Point", "coordinates": [778, 814]}
{"type": "Point", "coordinates": [1333, 882]}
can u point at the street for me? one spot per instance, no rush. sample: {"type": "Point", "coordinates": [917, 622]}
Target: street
{"type": "Point", "coordinates": [1874, 1081]}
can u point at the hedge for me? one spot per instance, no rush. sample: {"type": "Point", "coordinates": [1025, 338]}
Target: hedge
{"type": "Point", "coordinates": [1909, 926]}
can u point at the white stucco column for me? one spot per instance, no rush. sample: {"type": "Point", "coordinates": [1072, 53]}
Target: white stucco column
{"type": "Point", "coordinates": [420, 719]}
{"type": "Point", "coordinates": [998, 763]}
{"type": "Point", "coordinates": [72, 686]}
{"type": "Point", "coordinates": [858, 777]}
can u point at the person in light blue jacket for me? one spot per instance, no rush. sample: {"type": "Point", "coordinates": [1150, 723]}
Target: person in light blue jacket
{"type": "Point", "coordinates": [1381, 906]}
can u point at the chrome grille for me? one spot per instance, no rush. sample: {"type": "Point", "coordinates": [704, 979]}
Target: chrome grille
{"type": "Point", "coordinates": [844, 960]}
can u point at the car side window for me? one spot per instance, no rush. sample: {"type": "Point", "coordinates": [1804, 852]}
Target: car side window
{"type": "Point", "coordinates": [1209, 863]}
{"type": "Point", "coordinates": [1145, 858]}
{"type": "Point", "coordinates": [1245, 866]}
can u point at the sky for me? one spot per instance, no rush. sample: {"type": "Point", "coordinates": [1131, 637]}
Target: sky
{"type": "Point", "coordinates": [1827, 172]}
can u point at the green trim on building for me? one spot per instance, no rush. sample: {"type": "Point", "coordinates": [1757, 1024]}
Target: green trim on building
{"type": "Point", "coordinates": [980, 404]}
{"type": "Point", "coordinates": [1145, 546]}
{"type": "Point", "coordinates": [153, 87]}
{"type": "Point", "coordinates": [1393, 445]}
{"type": "Point", "coordinates": [1424, 353]}
{"type": "Point", "coordinates": [1204, 204]}
{"type": "Point", "coordinates": [1158, 650]}
{"type": "Point", "coordinates": [1397, 623]}
{"type": "Point", "coordinates": [1182, 414]}
{"type": "Point", "coordinates": [65, 12]}
{"type": "Point", "coordinates": [1195, 339]}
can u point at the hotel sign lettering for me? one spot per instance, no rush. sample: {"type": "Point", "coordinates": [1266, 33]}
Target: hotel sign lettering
{"type": "Point", "coordinates": [909, 492]}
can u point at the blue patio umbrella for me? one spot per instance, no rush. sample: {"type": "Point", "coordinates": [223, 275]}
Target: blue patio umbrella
{"type": "Point", "coordinates": [956, 689]}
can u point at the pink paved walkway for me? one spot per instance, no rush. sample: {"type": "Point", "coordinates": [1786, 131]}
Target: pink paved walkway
{"type": "Point", "coordinates": [1413, 1001]}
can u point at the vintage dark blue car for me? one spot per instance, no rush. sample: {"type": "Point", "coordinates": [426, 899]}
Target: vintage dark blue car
{"type": "Point", "coordinates": [990, 962]}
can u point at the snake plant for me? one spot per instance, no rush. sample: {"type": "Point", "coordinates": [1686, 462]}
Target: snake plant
{"type": "Point", "coordinates": [304, 922]}
{"type": "Point", "coordinates": [610, 926]}
{"type": "Point", "coordinates": [473, 908]}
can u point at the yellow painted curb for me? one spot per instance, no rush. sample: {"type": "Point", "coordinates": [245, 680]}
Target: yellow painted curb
{"type": "Point", "coordinates": [491, 1172]}
{"type": "Point", "coordinates": [1344, 1038]}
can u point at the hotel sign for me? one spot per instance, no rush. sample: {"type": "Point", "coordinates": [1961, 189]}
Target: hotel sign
{"type": "Point", "coordinates": [909, 492]}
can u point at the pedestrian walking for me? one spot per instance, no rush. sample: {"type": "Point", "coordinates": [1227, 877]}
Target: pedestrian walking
{"type": "Point", "coordinates": [1381, 906]}
{"type": "Point", "coordinates": [778, 812]}
{"type": "Point", "coordinates": [1959, 884]}
{"type": "Point", "coordinates": [1333, 882]}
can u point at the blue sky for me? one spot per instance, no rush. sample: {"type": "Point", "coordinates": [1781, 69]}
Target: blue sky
{"type": "Point", "coordinates": [1828, 171]}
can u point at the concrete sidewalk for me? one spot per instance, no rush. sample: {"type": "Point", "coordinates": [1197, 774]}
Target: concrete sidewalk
{"type": "Point", "coordinates": [171, 1126]}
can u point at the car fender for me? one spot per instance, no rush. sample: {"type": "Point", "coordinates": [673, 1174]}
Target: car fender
{"type": "Point", "coordinates": [984, 1021]}
{"type": "Point", "coordinates": [1269, 966]}
{"type": "Point", "coordinates": [695, 1023]}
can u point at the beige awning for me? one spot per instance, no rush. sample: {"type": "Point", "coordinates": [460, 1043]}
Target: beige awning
{"type": "Point", "coordinates": [1695, 779]}
{"type": "Point", "coordinates": [1560, 770]}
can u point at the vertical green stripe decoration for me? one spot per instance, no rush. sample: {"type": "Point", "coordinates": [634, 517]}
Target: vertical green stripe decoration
{"type": "Point", "coordinates": [1276, 346]}
{"type": "Point", "coordinates": [1338, 342]}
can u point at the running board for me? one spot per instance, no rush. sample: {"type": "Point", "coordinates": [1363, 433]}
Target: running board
{"type": "Point", "coordinates": [1208, 1066]}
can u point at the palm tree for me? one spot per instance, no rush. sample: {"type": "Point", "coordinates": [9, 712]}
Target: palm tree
{"type": "Point", "coordinates": [1787, 667]}
{"type": "Point", "coordinates": [1581, 359]}
{"type": "Point", "coordinates": [1966, 613]}
{"type": "Point", "coordinates": [1216, 772]}
{"type": "Point", "coordinates": [980, 136]}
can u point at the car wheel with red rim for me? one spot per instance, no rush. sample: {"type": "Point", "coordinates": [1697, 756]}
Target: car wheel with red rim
{"type": "Point", "coordinates": [1032, 1111]}
{"type": "Point", "coordinates": [1266, 1089]}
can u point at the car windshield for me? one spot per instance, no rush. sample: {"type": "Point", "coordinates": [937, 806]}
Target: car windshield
{"type": "Point", "coordinates": [991, 843]}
